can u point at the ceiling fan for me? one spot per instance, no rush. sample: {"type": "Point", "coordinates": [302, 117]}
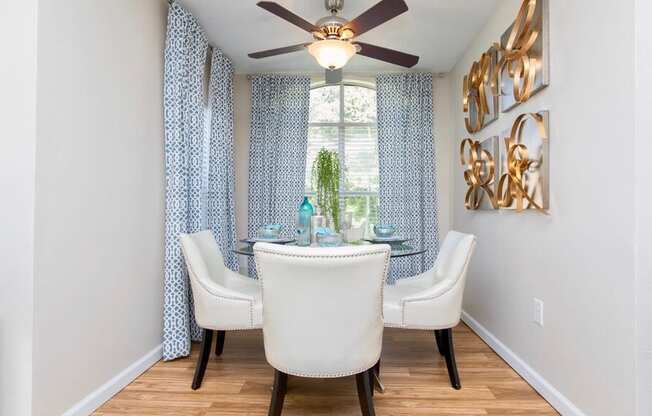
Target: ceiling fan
{"type": "Point", "coordinates": [334, 36]}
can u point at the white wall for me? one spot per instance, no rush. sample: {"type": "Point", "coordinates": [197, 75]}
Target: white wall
{"type": "Point", "coordinates": [17, 141]}
{"type": "Point", "coordinates": [580, 259]}
{"type": "Point", "coordinates": [99, 219]}
{"type": "Point", "coordinates": [643, 179]}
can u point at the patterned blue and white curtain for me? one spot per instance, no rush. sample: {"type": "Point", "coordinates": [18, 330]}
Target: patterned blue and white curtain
{"type": "Point", "coordinates": [277, 153]}
{"type": "Point", "coordinates": [198, 166]}
{"type": "Point", "coordinates": [221, 174]}
{"type": "Point", "coordinates": [407, 194]}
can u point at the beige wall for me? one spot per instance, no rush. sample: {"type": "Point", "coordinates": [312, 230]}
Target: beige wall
{"type": "Point", "coordinates": [18, 21]}
{"type": "Point", "coordinates": [643, 179]}
{"type": "Point", "coordinates": [242, 126]}
{"type": "Point", "coordinates": [99, 219]}
{"type": "Point", "coordinates": [580, 259]}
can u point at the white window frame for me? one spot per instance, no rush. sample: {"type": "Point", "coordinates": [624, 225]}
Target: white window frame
{"type": "Point", "coordinates": [341, 126]}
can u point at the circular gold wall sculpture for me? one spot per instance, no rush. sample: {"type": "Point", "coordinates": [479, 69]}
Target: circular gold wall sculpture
{"type": "Point", "coordinates": [474, 95]}
{"type": "Point", "coordinates": [514, 56]}
{"type": "Point", "coordinates": [511, 186]}
{"type": "Point", "coordinates": [479, 174]}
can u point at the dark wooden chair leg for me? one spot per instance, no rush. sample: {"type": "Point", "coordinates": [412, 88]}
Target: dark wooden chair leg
{"type": "Point", "coordinates": [440, 346]}
{"type": "Point", "coordinates": [372, 380]}
{"type": "Point", "coordinates": [278, 393]}
{"type": "Point", "coordinates": [202, 360]}
{"type": "Point", "coordinates": [447, 341]}
{"type": "Point", "coordinates": [219, 344]}
{"type": "Point", "coordinates": [364, 392]}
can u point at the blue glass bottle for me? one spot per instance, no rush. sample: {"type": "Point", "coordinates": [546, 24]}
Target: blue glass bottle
{"type": "Point", "coordinates": [306, 211]}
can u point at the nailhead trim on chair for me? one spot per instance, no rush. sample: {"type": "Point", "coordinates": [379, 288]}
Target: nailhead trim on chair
{"type": "Point", "coordinates": [337, 373]}
{"type": "Point", "coordinates": [403, 313]}
{"type": "Point", "coordinates": [386, 268]}
{"type": "Point", "coordinates": [321, 256]}
{"type": "Point", "coordinates": [251, 302]}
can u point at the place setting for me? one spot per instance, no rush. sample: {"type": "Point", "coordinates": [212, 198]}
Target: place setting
{"type": "Point", "coordinates": [313, 230]}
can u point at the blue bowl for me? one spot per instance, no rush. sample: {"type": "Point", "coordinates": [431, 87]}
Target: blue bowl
{"type": "Point", "coordinates": [270, 231]}
{"type": "Point", "coordinates": [329, 240]}
{"type": "Point", "coordinates": [323, 230]}
{"type": "Point", "coordinates": [384, 231]}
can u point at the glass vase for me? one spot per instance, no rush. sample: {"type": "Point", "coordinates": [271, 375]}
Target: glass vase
{"type": "Point", "coordinates": [306, 211]}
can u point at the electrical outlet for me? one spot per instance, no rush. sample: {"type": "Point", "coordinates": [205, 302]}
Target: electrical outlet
{"type": "Point", "coordinates": [537, 316]}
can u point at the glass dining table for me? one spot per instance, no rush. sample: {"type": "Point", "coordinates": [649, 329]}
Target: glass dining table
{"type": "Point", "coordinates": [398, 250]}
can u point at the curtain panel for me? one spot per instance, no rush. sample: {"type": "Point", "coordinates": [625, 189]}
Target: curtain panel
{"type": "Point", "coordinates": [407, 184]}
{"type": "Point", "coordinates": [221, 174]}
{"type": "Point", "coordinates": [198, 166]}
{"type": "Point", "coordinates": [277, 150]}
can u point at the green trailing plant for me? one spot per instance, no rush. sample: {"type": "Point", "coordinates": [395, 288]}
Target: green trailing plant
{"type": "Point", "coordinates": [326, 182]}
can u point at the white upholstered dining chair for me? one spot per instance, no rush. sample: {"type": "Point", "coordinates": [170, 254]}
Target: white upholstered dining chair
{"type": "Point", "coordinates": [433, 300]}
{"type": "Point", "coordinates": [322, 314]}
{"type": "Point", "coordinates": [223, 300]}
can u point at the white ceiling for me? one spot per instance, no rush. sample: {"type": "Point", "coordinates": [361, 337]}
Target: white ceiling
{"type": "Point", "coordinates": [438, 31]}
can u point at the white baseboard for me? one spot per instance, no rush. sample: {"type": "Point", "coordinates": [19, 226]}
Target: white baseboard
{"type": "Point", "coordinates": [94, 400]}
{"type": "Point", "coordinates": [545, 389]}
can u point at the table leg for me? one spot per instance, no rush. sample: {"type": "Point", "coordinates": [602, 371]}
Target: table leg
{"type": "Point", "coordinates": [378, 384]}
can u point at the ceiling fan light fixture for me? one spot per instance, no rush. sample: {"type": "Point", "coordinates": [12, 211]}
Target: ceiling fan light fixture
{"type": "Point", "coordinates": [346, 33]}
{"type": "Point", "coordinates": [332, 53]}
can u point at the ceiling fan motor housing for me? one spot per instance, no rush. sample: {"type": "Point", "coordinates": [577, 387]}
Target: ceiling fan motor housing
{"type": "Point", "coordinates": [331, 26]}
{"type": "Point", "coordinates": [334, 6]}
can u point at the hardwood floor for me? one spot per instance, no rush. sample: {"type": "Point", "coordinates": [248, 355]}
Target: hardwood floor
{"type": "Point", "coordinates": [415, 377]}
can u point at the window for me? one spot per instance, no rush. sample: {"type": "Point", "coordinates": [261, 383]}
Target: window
{"type": "Point", "coordinates": [343, 119]}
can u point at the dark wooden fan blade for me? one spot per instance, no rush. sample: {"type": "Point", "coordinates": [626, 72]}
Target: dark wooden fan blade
{"type": "Point", "coordinates": [285, 14]}
{"type": "Point", "coordinates": [377, 15]}
{"type": "Point", "coordinates": [278, 51]}
{"type": "Point", "coordinates": [387, 55]}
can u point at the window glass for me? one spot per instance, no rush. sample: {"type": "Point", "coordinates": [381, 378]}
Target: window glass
{"type": "Point", "coordinates": [361, 158]}
{"type": "Point", "coordinates": [353, 134]}
{"type": "Point", "coordinates": [359, 104]}
{"type": "Point", "coordinates": [363, 208]}
{"type": "Point", "coordinates": [325, 104]}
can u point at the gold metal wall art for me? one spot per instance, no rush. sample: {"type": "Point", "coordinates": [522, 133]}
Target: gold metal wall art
{"type": "Point", "coordinates": [513, 175]}
{"type": "Point", "coordinates": [478, 101]}
{"type": "Point", "coordinates": [479, 164]}
{"type": "Point", "coordinates": [523, 67]}
{"type": "Point", "coordinates": [524, 165]}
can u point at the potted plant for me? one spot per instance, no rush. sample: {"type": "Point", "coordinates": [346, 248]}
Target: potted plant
{"type": "Point", "coordinates": [326, 182]}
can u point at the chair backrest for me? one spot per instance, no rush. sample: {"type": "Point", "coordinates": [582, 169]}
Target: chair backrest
{"type": "Point", "coordinates": [203, 256]}
{"type": "Point", "coordinates": [322, 307]}
{"type": "Point", "coordinates": [454, 255]}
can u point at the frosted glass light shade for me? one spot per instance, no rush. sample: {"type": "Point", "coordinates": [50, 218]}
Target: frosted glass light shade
{"type": "Point", "coordinates": [332, 53]}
